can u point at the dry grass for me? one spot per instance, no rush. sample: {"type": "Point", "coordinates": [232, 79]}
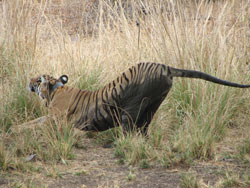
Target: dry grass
{"type": "Point", "coordinates": [94, 41]}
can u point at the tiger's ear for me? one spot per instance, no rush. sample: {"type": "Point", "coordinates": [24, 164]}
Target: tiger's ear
{"type": "Point", "coordinates": [64, 79]}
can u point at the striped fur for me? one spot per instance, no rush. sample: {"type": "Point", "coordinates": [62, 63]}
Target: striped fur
{"type": "Point", "coordinates": [131, 99]}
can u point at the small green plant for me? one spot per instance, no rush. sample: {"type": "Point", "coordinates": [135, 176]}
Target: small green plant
{"type": "Point", "coordinates": [244, 150]}
{"type": "Point", "coordinates": [5, 158]}
{"type": "Point", "coordinates": [203, 123]}
{"type": "Point", "coordinates": [30, 183]}
{"type": "Point", "coordinates": [246, 178]}
{"type": "Point", "coordinates": [20, 106]}
{"type": "Point", "coordinates": [133, 148]}
{"type": "Point", "coordinates": [90, 82]}
{"type": "Point", "coordinates": [122, 146]}
{"type": "Point", "coordinates": [231, 180]}
{"type": "Point", "coordinates": [144, 163]}
{"type": "Point", "coordinates": [53, 172]}
{"type": "Point", "coordinates": [107, 138]}
{"type": "Point", "coordinates": [131, 176]}
{"type": "Point", "coordinates": [60, 140]}
{"type": "Point", "coordinates": [53, 141]}
{"type": "Point", "coordinates": [156, 136]}
{"type": "Point", "coordinates": [188, 181]}
{"type": "Point", "coordinates": [82, 172]}
{"type": "Point", "coordinates": [9, 160]}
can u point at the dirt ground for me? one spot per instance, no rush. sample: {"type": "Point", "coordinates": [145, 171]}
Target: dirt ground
{"type": "Point", "coordinates": [96, 166]}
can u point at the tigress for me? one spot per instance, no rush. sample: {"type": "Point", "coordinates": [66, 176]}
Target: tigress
{"type": "Point", "coordinates": [130, 100]}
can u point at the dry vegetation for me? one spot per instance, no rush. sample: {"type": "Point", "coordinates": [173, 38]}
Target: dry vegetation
{"type": "Point", "coordinates": [200, 135]}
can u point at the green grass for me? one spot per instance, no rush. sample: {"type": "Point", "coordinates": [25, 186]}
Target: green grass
{"type": "Point", "coordinates": [90, 81]}
{"type": "Point", "coordinates": [21, 108]}
{"type": "Point", "coordinates": [108, 137]}
{"type": "Point", "coordinates": [199, 125]}
{"type": "Point", "coordinates": [60, 139]}
{"type": "Point", "coordinates": [5, 158]}
{"type": "Point", "coordinates": [231, 180]}
{"type": "Point", "coordinates": [133, 148]}
{"type": "Point", "coordinates": [188, 181]}
{"type": "Point", "coordinates": [51, 143]}
{"type": "Point", "coordinates": [191, 121]}
{"type": "Point", "coordinates": [202, 119]}
{"type": "Point", "coordinates": [17, 105]}
{"type": "Point", "coordinates": [131, 175]}
{"type": "Point", "coordinates": [244, 151]}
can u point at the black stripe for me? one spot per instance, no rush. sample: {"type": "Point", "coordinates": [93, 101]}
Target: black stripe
{"type": "Point", "coordinates": [131, 72]}
{"type": "Point", "coordinates": [118, 94]}
{"type": "Point", "coordinates": [151, 65]}
{"type": "Point", "coordinates": [106, 94]}
{"type": "Point", "coordinates": [83, 101]}
{"type": "Point", "coordinates": [113, 97]}
{"type": "Point", "coordinates": [77, 104]}
{"type": "Point", "coordinates": [114, 89]}
{"type": "Point", "coordinates": [53, 94]}
{"type": "Point", "coordinates": [134, 70]}
{"type": "Point", "coordinates": [157, 65]}
{"type": "Point", "coordinates": [105, 103]}
{"type": "Point", "coordinates": [139, 67]}
{"type": "Point", "coordinates": [75, 100]}
{"type": "Point", "coordinates": [94, 94]}
{"type": "Point", "coordinates": [96, 104]}
{"type": "Point", "coordinates": [87, 106]}
{"type": "Point", "coordinates": [121, 88]}
{"type": "Point", "coordinates": [164, 67]}
{"type": "Point", "coordinates": [146, 65]}
{"type": "Point", "coordinates": [151, 69]}
{"type": "Point", "coordinates": [124, 76]}
{"type": "Point", "coordinates": [105, 106]}
{"type": "Point", "coordinates": [103, 95]}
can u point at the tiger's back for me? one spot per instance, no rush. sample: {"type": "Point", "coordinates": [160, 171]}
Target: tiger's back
{"type": "Point", "coordinates": [132, 98]}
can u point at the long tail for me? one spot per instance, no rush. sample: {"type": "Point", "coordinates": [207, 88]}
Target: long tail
{"type": "Point", "coordinates": [201, 75]}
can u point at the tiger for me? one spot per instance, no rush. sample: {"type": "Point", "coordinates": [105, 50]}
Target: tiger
{"type": "Point", "coordinates": [129, 101]}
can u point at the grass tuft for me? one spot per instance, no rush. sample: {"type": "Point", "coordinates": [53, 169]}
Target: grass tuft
{"type": "Point", "coordinates": [133, 148]}
{"type": "Point", "coordinates": [234, 180]}
{"type": "Point", "coordinates": [188, 181]}
{"type": "Point", "coordinates": [244, 151]}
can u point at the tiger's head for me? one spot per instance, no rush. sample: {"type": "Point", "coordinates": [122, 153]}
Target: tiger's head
{"type": "Point", "coordinates": [44, 85]}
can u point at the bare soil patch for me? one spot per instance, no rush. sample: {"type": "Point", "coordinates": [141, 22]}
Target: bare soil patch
{"type": "Point", "coordinates": [95, 166]}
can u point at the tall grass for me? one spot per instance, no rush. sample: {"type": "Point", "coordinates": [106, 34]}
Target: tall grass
{"type": "Point", "coordinates": [94, 41]}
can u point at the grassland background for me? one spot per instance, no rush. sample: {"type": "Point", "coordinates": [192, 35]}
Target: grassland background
{"type": "Point", "coordinates": [94, 41]}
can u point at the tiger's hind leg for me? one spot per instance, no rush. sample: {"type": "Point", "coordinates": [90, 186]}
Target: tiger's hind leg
{"type": "Point", "coordinates": [130, 116]}
{"type": "Point", "coordinates": [146, 118]}
{"type": "Point", "coordinates": [127, 124]}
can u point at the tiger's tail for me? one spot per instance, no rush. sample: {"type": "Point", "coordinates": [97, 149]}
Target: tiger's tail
{"type": "Point", "coordinates": [201, 75]}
